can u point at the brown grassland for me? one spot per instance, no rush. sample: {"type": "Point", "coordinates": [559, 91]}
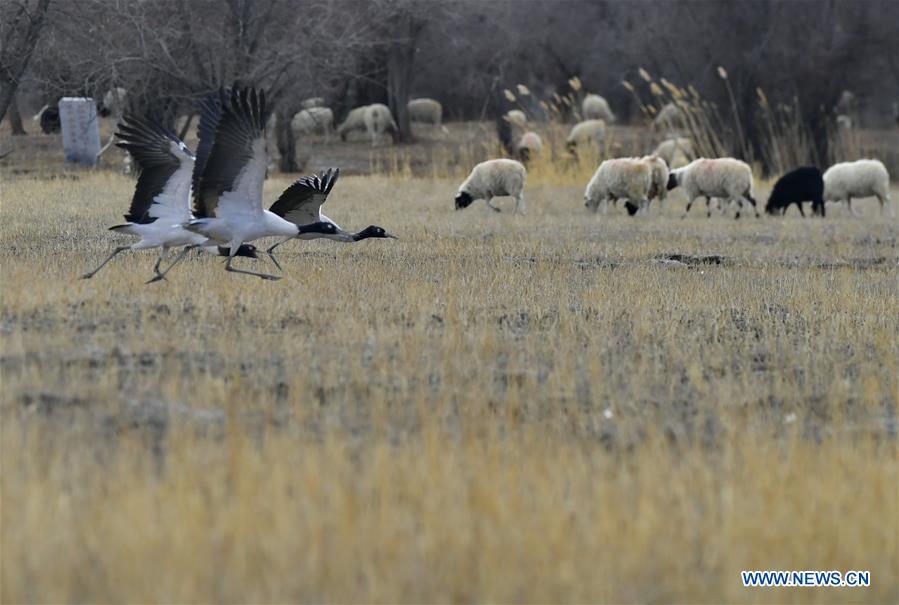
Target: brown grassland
{"type": "Point", "coordinates": [493, 408]}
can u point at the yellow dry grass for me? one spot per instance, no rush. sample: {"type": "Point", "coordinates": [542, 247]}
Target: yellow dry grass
{"type": "Point", "coordinates": [492, 409]}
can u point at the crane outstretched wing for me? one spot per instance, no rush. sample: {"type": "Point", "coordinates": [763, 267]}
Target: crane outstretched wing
{"type": "Point", "coordinates": [164, 166]}
{"type": "Point", "coordinates": [234, 170]}
{"type": "Point", "coordinates": [301, 203]}
{"type": "Point", "coordinates": [210, 114]}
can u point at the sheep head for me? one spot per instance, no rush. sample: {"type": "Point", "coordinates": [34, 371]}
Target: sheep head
{"type": "Point", "coordinates": [463, 200]}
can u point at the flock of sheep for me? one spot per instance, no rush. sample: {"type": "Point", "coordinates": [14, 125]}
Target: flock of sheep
{"type": "Point", "coordinates": [375, 120]}
{"type": "Point", "coordinates": [638, 181]}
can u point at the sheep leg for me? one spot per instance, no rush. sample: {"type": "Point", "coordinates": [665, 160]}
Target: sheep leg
{"type": "Point", "coordinates": [755, 206]}
{"type": "Point", "coordinates": [852, 210]}
{"type": "Point", "coordinates": [491, 206]}
{"type": "Point", "coordinates": [801, 211]}
{"type": "Point", "coordinates": [643, 205]}
{"type": "Point", "coordinates": [708, 206]}
{"type": "Point", "coordinates": [611, 201]}
{"type": "Point", "coordinates": [689, 205]}
{"type": "Point", "coordinates": [884, 202]}
{"type": "Point", "coordinates": [818, 207]}
{"type": "Point", "coordinates": [520, 205]}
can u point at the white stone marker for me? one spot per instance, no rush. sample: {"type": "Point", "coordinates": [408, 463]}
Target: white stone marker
{"type": "Point", "coordinates": [80, 129]}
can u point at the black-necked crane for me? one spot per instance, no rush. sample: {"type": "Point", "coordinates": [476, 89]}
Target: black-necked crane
{"type": "Point", "coordinates": [302, 202]}
{"type": "Point", "coordinates": [161, 201]}
{"type": "Point", "coordinates": [228, 195]}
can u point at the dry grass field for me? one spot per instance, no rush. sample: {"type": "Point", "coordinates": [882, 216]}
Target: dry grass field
{"type": "Point", "coordinates": [549, 408]}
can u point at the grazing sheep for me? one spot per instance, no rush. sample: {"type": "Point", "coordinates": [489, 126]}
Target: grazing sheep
{"type": "Point", "coordinates": [379, 120]}
{"type": "Point", "coordinates": [529, 146]}
{"type": "Point", "coordinates": [114, 101]}
{"type": "Point", "coordinates": [595, 107]}
{"type": "Point", "coordinates": [800, 185]}
{"type": "Point", "coordinates": [588, 132]}
{"type": "Point", "coordinates": [676, 152]}
{"type": "Point", "coordinates": [491, 179]}
{"type": "Point", "coordinates": [725, 178]}
{"type": "Point", "coordinates": [354, 120]}
{"type": "Point", "coordinates": [425, 111]}
{"type": "Point", "coordinates": [312, 102]}
{"type": "Point", "coordinates": [315, 120]}
{"type": "Point", "coordinates": [862, 178]}
{"type": "Point", "coordinates": [670, 118]}
{"type": "Point", "coordinates": [629, 179]}
{"type": "Point", "coordinates": [516, 117]}
{"type": "Point", "coordinates": [374, 119]}
{"type": "Point", "coordinates": [48, 118]}
{"type": "Point", "coordinates": [659, 167]}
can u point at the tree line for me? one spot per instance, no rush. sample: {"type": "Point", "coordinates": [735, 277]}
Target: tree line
{"type": "Point", "coordinates": [167, 55]}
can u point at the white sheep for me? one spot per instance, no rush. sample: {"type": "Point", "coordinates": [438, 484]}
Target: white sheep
{"type": "Point", "coordinates": [312, 102]}
{"type": "Point", "coordinates": [862, 178]}
{"type": "Point", "coordinates": [670, 118]}
{"type": "Point", "coordinates": [529, 146]}
{"type": "Point", "coordinates": [354, 120]}
{"type": "Point", "coordinates": [516, 117]}
{"type": "Point", "coordinates": [725, 178]}
{"type": "Point", "coordinates": [494, 178]}
{"type": "Point", "coordinates": [595, 107]}
{"type": "Point", "coordinates": [629, 179]}
{"type": "Point", "coordinates": [315, 120]}
{"type": "Point", "coordinates": [374, 119]}
{"type": "Point", "coordinates": [114, 100]}
{"type": "Point", "coordinates": [676, 152]}
{"type": "Point", "coordinates": [425, 111]}
{"type": "Point", "coordinates": [588, 132]}
{"type": "Point", "coordinates": [379, 120]}
{"type": "Point", "coordinates": [659, 168]}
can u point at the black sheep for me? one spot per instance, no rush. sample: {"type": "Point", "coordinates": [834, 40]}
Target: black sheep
{"type": "Point", "coordinates": [802, 184]}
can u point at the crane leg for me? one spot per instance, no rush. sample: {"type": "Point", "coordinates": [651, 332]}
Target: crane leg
{"type": "Point", "coordinates": [177, 260]}
{"type": "Point", "coordinates": [271, 251]}
{"type": "Point", "coordinates": [231, 269]}
{"type": "Point", "coordinates": [90, 274]}
{"type": "Point", "coordinates": [163, 252]}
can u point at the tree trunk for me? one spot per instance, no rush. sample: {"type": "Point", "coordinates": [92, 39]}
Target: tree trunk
{"type": "Point", "coordinates": [7, 93]}
{"type": "Point", "coordinates": [18, 52]}
{"type": "Point", "coordinates": [818, 125]}
{"type": "Point", "coordinates": [287, 144]}
{"type": "Point", "coordinates": [15, 120]}
{"type": "Point", "coordinates": [400, 60]}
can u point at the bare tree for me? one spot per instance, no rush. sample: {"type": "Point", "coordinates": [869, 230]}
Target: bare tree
{"type": "Point", "coordinates": [20, 28]}
{"type": "Point", "coordinates": [405, 21]}
{"type": "Point", "coordinates": [15, 119]}
{"type": "Point", "coordinates": [169, 55]}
